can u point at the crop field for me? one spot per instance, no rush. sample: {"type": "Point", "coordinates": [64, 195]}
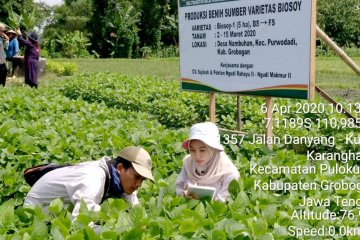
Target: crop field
{"type": "Point", "coordinates": [110, 104]}
{"type": "Point", "coordinates": [326, 67]}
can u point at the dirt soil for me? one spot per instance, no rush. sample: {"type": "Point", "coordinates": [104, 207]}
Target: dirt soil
{"type": "Point", "coordinates": [352, 95]}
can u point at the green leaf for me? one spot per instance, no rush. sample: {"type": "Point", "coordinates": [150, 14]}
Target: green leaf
{"type": "Point", "coordinates": [138, 214]}
{"type": "Point", "coordinates": [56, 234]}
{"type": "Point", "coordinates": [218, 207]}
{"type": "Point", "coordinates": [218, 235]}
{"type": "Point", "coordinates": [7, 214]}
{"type": "Point", "coordinates": [90, 234]}
{"type": "Point", "coordinates": [39, 229]}
{"type": "Point", "coordinates": [112, 235]}
{"type": "Point", "coordinates": [24, 214]}
{"type": "Point", "coordinates": [234, 188]}
{"type": "Point", "coordinates": [208, 224]}
{"type": "Point", "coordinates": [84, 219]}
{"type": "Point", "coordinates": [26, 236]}
{"type": "Point", "coordinates": [259, 227]}
{"type": "Point", "coordinates": [135, 233]}
{"type": "Point", "coordinates": [118, 204]}
{"type": "Point", "coordinates": [59, 229]}
{"type": "Point", "coordinates": [187, 226]}
{"type": "Point", "coordinates": [234, 228]}
{"type": "Point", "coordinates": [123, 222]}
{"type": "Point", "coordinates": [56, 206]}
{"type": "Point", "coordinates": [76, 235]}
{"type": "Point", "coordinates": [280, 232]}
{"type": "Point", "coordinates": [200, 210]}
{"type": "Point", "coordinates": [268, 213]}
{"type": "Point", "coordinates": [267, 236]}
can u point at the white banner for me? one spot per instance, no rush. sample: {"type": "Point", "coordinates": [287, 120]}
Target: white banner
{"type": "Point", "coordinates": [253, 47]}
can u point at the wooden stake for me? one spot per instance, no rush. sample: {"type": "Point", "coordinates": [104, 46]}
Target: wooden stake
{"type": "Point", "coordinates": [212, 107]}
{"type": "Point", "coordinates": [338, 50]}
{"type": "Point", "coordinates": [334, 103]}
{"type": "Point", "coordinates": [232, 131]}
{"type": "Point", "coordinates": [312, 51]}
{"type": "Point", "coordinates": [238, 112]}
{"type": "Point", "coordinates": [268, 128]}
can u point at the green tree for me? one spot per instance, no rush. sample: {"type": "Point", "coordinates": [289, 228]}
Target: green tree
{"type": "Point", "coordinates": [70, 18]}
{"type": "Point", "coordinates": [122, 19]}
{"type": "Point", "coordinates": [153, 14]}
{"type": "Point", "coordinates": [27, 17]}
{"type": "Point", "coordinates": [340, 20]}
{"type": "Point", "coordinates": [158, 25]}
{"type": "Point", "coordinates": [169, 28]}
{"type": "Point", "coordinates": [17, 6]}
{"type": "Point", "coordinates": [113, 30]}
{"type": "Point", "coordinates": [97, 27]}
{"type": "Point", "coordinates": [65, 34]}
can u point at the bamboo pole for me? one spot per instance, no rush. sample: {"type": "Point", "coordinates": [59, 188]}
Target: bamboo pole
{"type": "Point", "coordinates": [232, 131]}
{"type": "Point", "coordinates": [311, 94]}
{"type": "Point", "coordinates": [212, 107]}
{"type": "Point", "coordinates": [338, 50]}
{"type": "Point", "coordinates": [269, 127]}
{"type": "Point", "coordinates": [238, 112]}
{"type": "Point", "coordinates": [334, 103]}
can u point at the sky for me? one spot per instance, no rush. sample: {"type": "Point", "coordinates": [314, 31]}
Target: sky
{"type": "Point", "coordinates": [50, 2]}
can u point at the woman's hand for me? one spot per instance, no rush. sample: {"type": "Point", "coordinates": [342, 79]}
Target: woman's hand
{"type": "Point", "coordinates": [192, 195]}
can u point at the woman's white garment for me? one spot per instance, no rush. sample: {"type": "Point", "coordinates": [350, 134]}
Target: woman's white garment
{"type": "Point", "coordinates": [82, 181]}
{"type": "Point", "coordinates": [219, 173]}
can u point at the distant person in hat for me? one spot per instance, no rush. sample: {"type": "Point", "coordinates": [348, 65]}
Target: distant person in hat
{"type": "Point", "coordinates": [4, 43]}
{"type": "Point", "coordinates": [11, 52]}
{"type": "Point", "coordinates": [31, 55]}
{"type": "Point", "coordinates": [207, 164]}
{"type": "Point", "coordinates": [90, 181]}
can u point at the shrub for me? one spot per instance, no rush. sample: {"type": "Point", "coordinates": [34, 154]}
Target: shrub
{"type": "Point", "coordinates": [61, 69]}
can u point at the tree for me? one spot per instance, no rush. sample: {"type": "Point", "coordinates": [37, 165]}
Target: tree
{"type": "Point", "coordinates": [340, 20]}
{"type": "Point", "coordinates": [113, 30]}
{"type": "Point", "coordinates": [72, 17]}
{"type": "Point", "coordinates": [26, 16]}
{"type": "Point", "coordinates": [16, 6]}
{"type": "Point", "coordinates": [158, 25]}
{"type": "Point", "coordinates": [169, 28]}
{"type": "Point", "coordinates": [97, 27]}
{"type": "Point", "coordinates": [153, 13]}
{"type": "Point", "coordinates": [122, 19]}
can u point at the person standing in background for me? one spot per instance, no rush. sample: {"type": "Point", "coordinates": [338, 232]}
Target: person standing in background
{"type": "Point", "coordinates": [11, 52]}
{"type": "Point", "coordinates": [4, 43]}
{"type": "Point", "coordinates": [31, 55]}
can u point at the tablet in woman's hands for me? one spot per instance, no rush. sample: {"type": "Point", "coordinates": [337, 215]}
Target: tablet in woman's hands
{"type": "Point", "coordinates": [201, 191]}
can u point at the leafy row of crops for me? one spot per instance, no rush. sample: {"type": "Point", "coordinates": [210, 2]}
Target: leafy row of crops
{"type": "Point", "coordinates": [86, 117]}
{"type": "Point", "coordinates": [44, 126]}
{"type": "Point", "coordinates": [173, 108]}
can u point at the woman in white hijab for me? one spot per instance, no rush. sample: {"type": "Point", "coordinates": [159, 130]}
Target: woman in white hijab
{"type": "Point", "coordinates": [207, 164]}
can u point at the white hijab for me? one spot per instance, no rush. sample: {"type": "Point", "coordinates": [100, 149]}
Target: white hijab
{"type": "Point", "coordinates": [218, 166]}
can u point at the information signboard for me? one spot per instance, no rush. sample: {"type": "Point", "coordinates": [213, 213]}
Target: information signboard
{"type": "Point", "coordinates": [253, 47]}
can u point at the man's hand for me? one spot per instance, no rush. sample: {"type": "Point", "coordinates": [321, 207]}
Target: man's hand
{"type": "Point", "coordinates": [3, 35]}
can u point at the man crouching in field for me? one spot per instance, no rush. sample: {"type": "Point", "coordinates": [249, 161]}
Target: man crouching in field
{"type": "Point", "coordinates": [94, 181]}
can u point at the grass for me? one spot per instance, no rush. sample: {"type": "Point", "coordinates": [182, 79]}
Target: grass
{"type": "Point", "coordinates": [332, 74]}
{"type": "Point", "coordinates": [160, 68]}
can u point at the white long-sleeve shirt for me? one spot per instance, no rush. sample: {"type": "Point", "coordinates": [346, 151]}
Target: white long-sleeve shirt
{"type": "Point", "coordinates": [82, 181]}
